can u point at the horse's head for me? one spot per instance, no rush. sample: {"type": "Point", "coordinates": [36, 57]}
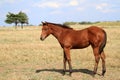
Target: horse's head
{"type": "Point", "coordinates": [46, 31]}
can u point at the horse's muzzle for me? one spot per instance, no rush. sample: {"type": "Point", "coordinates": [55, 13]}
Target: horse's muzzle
{"type": "Point", "coordinates": [41, 38]}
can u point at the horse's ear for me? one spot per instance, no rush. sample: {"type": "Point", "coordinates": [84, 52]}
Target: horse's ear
{"type": "Point", "coordinates": [43, 23]}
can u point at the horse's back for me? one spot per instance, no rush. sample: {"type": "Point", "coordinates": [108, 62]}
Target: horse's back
{"type": "Point", "coordinates": [95, 28]}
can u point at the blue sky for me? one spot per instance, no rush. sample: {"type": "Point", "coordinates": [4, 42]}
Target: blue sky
{"type": "Point", "coordinates": [60, 11]}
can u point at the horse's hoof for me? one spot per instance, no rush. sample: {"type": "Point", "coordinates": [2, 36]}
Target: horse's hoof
{"type": "Point", "coordinates": [63, 72]}
{"type": "Point", "coordinates": [93, 74]}
{"type": "Point", "coordinates": [70, 74]}
{"type": "Point", "coordinates": [103, 72]}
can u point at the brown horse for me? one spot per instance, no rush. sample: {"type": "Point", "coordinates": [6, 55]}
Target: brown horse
{"type": "Point", "coordinates": [77, 39]}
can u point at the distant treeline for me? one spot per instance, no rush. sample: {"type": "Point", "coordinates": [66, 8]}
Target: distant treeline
{"type": "Point", "coordinates": [88, 22]}
{"type": "Point", "coordinates": [82, 23]}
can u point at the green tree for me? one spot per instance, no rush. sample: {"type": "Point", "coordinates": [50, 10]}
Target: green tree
{"type": "Point", "coordinates": [23, 18]}
{"type": "Point", "coordinates": [12, 18]}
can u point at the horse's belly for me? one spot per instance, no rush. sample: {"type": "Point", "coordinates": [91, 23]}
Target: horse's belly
{"type": "Point", "coordinates": [81, 45]}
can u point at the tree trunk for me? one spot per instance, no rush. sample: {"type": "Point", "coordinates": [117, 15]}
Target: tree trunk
{"type": "Point", "coordinates": [15, 25]}
{"type": "Point", "coordinates": [22, 25]}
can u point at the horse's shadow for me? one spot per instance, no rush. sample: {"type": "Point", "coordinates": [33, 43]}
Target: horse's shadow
{"type": "Point", "coordinates": [86, 71]}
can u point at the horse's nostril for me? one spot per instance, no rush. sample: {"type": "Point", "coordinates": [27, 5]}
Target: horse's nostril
{"type": "Point", "coordinates": [40, 38]}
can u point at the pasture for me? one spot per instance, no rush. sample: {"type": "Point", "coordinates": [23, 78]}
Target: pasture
{"type": "Point", "coordinates": [24, 57]}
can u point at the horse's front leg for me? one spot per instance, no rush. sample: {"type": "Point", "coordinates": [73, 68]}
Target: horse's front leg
{"type": "Point", "coordinates": [64, 62]}
{"type": "Point", "coordinates": [70, 67]}
{"type": "Point", "coordinates": [67, 53]}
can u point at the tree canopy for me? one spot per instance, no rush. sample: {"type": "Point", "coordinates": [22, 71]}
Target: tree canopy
{"type": "Point", "coordinates": [21, 18]}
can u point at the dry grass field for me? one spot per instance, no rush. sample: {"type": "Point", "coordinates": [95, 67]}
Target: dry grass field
{"type": "Point", "coordinates": [24, 57]}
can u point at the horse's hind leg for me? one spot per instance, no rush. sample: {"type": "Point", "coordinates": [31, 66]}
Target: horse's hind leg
{"type": "Point", "coordinates": [97, 58]}
{"type": "Point", "coordinates": [103, 63]}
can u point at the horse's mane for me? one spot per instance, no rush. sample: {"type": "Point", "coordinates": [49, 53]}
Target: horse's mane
{"type": "Point", "coordinates": [60, 25]}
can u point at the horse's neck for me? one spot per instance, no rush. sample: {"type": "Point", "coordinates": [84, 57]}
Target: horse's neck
{"type": "Point", "coordinates": [57, 31]}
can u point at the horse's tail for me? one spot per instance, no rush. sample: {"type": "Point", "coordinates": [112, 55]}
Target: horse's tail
{"type": "Point", "coordinates": [103, 44]}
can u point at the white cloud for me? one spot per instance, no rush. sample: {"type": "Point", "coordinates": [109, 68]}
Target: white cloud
{"type": "Point", "coordinates": [104, 7]}
{"type": "Point", "coordinates": [9, 1]}
{"type": "Point", "coordinates": [73, 3]}
{"type": "Point", "coordinates": [47, 4]}
{"type": "Point", "coordinates": [101, 6]}
{"type": "Point", "coordinates": [58, 3]}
